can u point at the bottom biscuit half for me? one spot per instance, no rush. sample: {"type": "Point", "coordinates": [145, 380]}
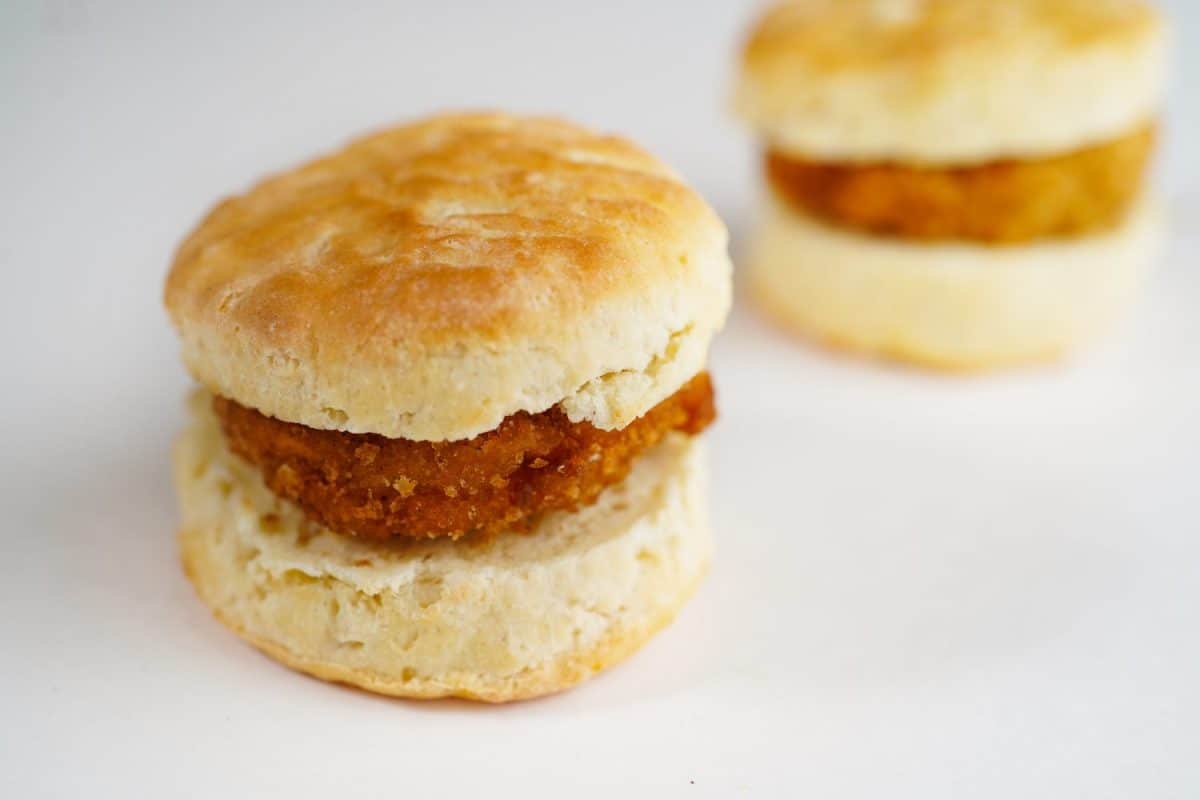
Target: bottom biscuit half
{"type": "Point", "coordinates": [512, 617]}
{"type": "Point", "coordinates": [955, 306]}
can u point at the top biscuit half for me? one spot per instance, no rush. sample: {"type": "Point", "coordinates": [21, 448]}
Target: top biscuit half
{"type": "Point", "coordinates": [950, 81]}
{"type": "Point", "coordinates": [427, 281]}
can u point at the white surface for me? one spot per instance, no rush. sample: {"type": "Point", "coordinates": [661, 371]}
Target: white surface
{"type": "Point", "coordinates": [926, 587]}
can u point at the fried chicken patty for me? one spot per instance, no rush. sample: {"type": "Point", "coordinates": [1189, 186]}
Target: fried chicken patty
{"type": "Point", "coordinates": [1002, 202]}
{"type": "Point", "coordinates": [369, 485]}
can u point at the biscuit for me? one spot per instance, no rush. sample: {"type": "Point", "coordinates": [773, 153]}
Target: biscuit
{"type": "Point", "coordinates": [950, 81]}
{"type": "Point", "coordinates": [960, 306]}
{"type": "Point", "coordinates": [500, 619]}
{"type": "Point", "coordinates": [428, 281]}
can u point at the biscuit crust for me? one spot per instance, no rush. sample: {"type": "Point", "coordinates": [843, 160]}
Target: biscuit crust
{"type": "Point", "coordinates": [1002, 202]}
{"type": "Point", "coordinates": [430, 280]}
{"type": "Point", "coordinates": [501, 481]}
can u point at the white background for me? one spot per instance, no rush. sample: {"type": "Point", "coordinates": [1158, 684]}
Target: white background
{"type": "Point", "coordinates": [926, 587]}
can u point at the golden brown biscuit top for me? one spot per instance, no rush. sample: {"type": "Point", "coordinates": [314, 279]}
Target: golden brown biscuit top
{"type": "Point", "coordinates": [429, 280]}
{"type": "Point", "coordinates": [846, 35]}
{"type": "Point", "coordinates": [461, 224]}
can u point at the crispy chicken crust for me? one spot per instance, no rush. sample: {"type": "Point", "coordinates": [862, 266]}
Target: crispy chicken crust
{"type": "Point", "coordinates": [1002, 202]}
{"type": "Point", "coordinates": [372, 486]}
